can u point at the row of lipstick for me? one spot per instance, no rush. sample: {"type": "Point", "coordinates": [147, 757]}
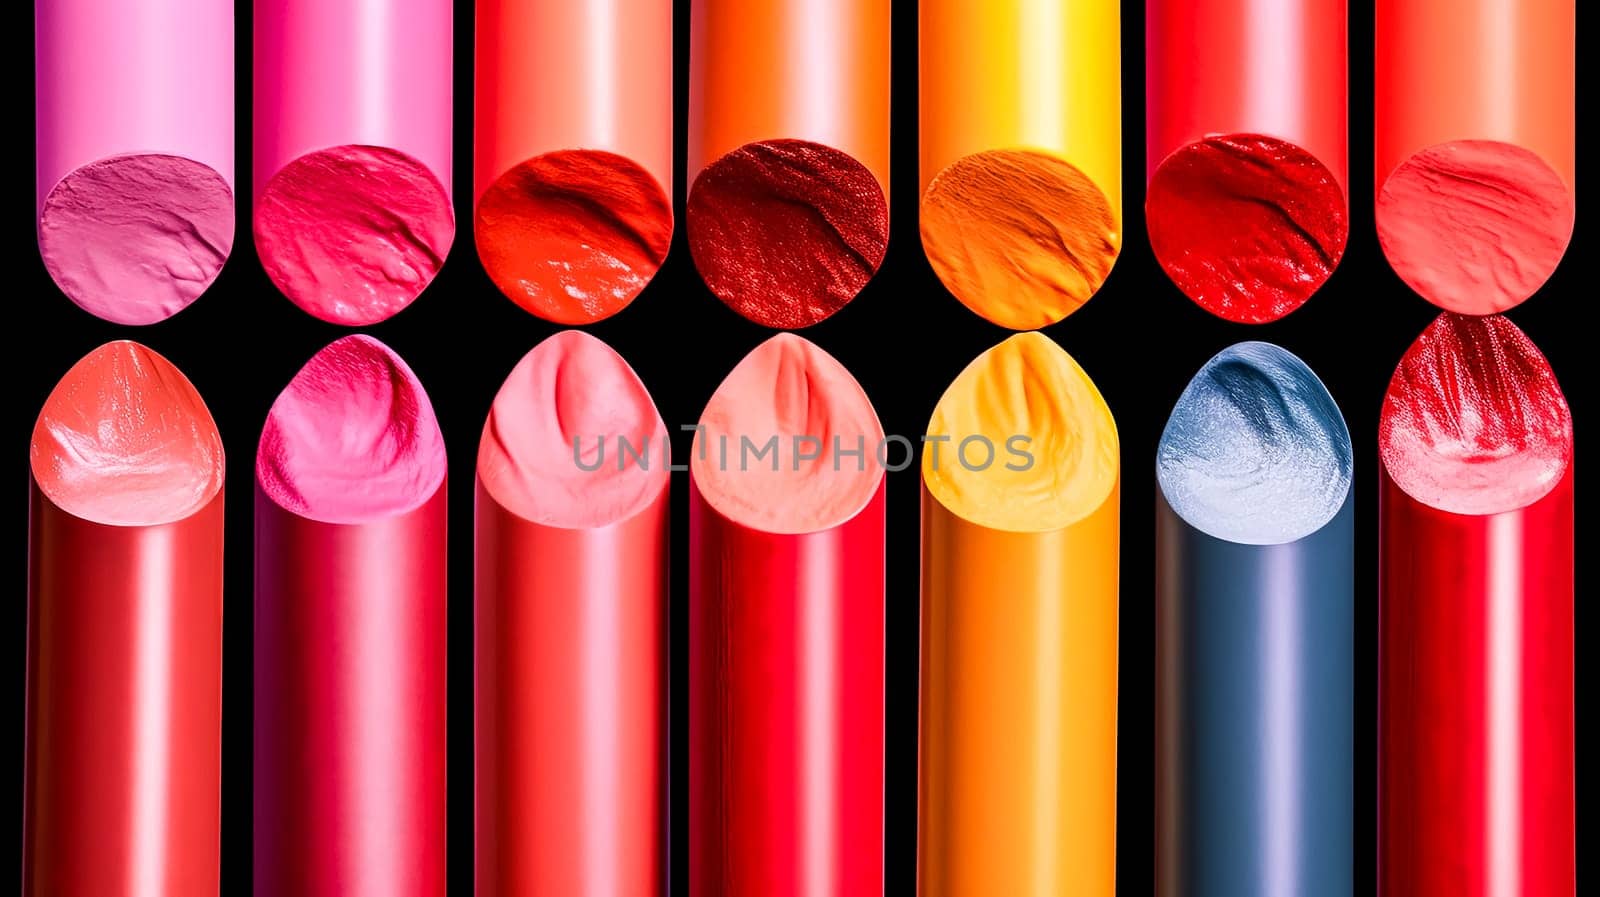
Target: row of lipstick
{"type": "Point", "coordinates": [788, 151]}
{"type": "Point", "coordinates": [1020, 472]}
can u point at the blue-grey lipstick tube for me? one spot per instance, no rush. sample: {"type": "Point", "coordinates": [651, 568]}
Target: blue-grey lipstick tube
{"type": "Point", "coordinates": [1254, 700]}
{"type": "Point", "coordinates": [1254, 637]}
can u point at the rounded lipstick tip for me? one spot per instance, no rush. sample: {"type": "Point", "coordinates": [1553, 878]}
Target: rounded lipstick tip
{"type": "Point", "coordinates": [1255, 451]}
{"type": "Point", "coordinates": [352, 438]}
{"type": "Point", "coordinates": [124, 439]}
{"type": "Point", "coordinates": [1474, 421]}
{"type": "Point", "coordinates": [1022, 440]}
{"type": "Point", "coordinates": [788, 442]}
{"type": "Point", "coordinates": [573, 439]}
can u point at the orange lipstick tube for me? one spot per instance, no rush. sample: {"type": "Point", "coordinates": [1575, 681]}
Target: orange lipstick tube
{"type": "Point", "coordinates": [572, 182]}
{"type": "Point", "coordinates": [788, 214]}
{"type": "Point", "coordinates": [1021, 154]}
{"type": "Point", "coordinates": [1017, 768]}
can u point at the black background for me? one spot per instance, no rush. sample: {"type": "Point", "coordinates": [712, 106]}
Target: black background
{"type": "Point", "coordinates": [904, 338]}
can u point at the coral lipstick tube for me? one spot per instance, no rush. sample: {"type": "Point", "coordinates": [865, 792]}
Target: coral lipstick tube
{"type": "Point", "coordinates": [122, 780]}
{"type": "Point", "coordinates": [571, 620]}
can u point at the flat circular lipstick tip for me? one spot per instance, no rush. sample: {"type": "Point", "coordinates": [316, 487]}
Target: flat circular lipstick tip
{"type": "Point", "coordinates": [573, 236]}
{"type": "Point", "coordinates": [1021, 237]}
{"type": "Point", "coordinates": [1474, 421]}
{"type": "Point", "coordinates": [1255, 451]}
{"type": "Point", "coordinates": [787, 232]}
{"type": "Point", "coordinates": [135, 238]}
{"type": "Point", "coordinates": [352, 234]}
{"type": "Point", "coordinates": [573, 439]}
{"type": "Point", "coordinates": [1247, 226]}
{"type": "Point", "coordinates": [1022, 440]}
{"type": "Point", "coordinates": [352, 438]}
{"type": "Point", "coordinates": [789, 442]}
{"type": "Point", "coordinates": [125, 440]}
{"type": "Point", "coordinates": [1475, 226]}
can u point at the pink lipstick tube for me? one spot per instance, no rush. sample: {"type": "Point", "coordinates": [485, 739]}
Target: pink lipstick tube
{"type": "Point", "coordinates": [135, 151]}
{"type": "Point", "coordinates": [352, 152]}
{"type": "Point", "coordinates": [350, 633]}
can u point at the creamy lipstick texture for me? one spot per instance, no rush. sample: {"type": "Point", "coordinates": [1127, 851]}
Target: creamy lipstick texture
{"type": "Point", "coordinates": [786, 632]}
{"type": "Point", "coordinates": [124, 723]}
{"type": "Point", "coordinates": [573, 151]}
{"type": "Point", "coordinates": [134, 174]}
{"type": "Point", "coordinates": [1475, 146]}
{"type": "Point", "coordinates": [349, 752]}
{"type": "Point", "coordinates": [1246, 150]}
{"type": "Point", "coordinates": [1021, 153]}
{"type": "Point", "coordinates": [571, 625]}
{"type": "Point", "coordinates": [352, 152]}
{"type": "Point", "coordinates": [788, 213]}
{"type": "Point", "coordinates": [1476, 760]}
{"type": "Point", "coordinates": [1017, 757]}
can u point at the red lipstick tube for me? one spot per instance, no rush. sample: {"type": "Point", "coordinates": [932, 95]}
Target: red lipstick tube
{"type": "Point", "coordinates": [786, 707]}
{"type": "Point", "coordinates": [1476, 770]}
{"type": "Point", "coordinates": [123, 756]}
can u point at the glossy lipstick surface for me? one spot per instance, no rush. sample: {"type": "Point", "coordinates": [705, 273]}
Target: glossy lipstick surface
{"type": "Point", "coordinates": [123, 760]}
{"type": "Point", "coordinates": [1246, 150]}
{"type": "Point", "coordinates": [571, 621]}
{"type": "Point", "coordinates": [1474, 421]}
{"type": "Point", "coordinates": [1476, 727]}
{"type": "Point", "coordinates": [1255, 597]}
{"type": "Point", "coordinates": [350, 626]}
{"type": "Point", "coordinates": [573, 150]}
{"type": "Point", "coordinates": [786, 633]}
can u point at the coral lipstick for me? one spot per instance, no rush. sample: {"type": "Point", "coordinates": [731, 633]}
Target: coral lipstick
{"type": "Point", "coordinates": [124, 726]}
{"type": "Point", "coordinates": [1474, 136]}
{"type": "Point", "coordinates": [571, 623]}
